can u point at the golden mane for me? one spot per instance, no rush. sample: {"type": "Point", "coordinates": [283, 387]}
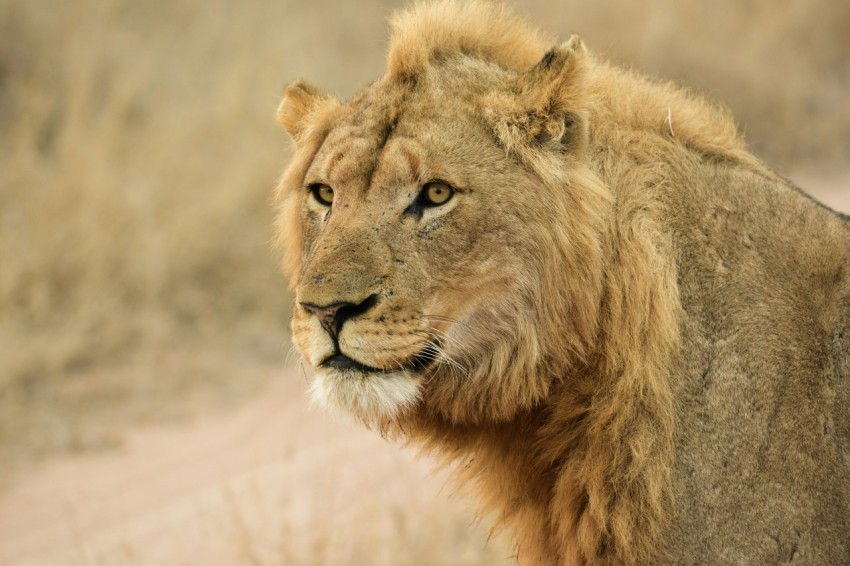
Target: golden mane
{"type": "Point", "coordinates": [560, 394]}
{"type": "Point", "coordinates": [629, 330]}
{"type": "Point", "coordinates": [430, 31]}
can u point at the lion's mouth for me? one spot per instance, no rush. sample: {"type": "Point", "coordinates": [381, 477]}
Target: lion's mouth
{"type": "Point", "coordinates": [341, 362]}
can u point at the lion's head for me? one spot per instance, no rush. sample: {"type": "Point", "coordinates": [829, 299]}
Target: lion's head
{"type": "Point", "coordinates": [442, 229]}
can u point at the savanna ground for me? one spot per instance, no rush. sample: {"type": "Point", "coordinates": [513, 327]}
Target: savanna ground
{"type": "Point", "coordinates": [148, 414]}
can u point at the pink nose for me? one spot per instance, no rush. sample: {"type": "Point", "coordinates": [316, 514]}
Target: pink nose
{"type": "Point", "coordinates": [334, 315]}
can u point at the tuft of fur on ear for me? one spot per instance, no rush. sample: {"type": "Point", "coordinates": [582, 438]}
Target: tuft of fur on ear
{"type": "Point", "coordinates": [430, 31]}
{"type": "Point", "coordinates": [300, 100]}
{"type": "Point", "coordinates": [546, 109]}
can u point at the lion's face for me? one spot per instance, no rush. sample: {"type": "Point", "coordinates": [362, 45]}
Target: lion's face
{"type": "Point", "coordinates": [422, 251]}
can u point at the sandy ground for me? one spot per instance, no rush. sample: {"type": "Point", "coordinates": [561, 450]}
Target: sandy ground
{"type": "Point", "coordinates": [273, 482]}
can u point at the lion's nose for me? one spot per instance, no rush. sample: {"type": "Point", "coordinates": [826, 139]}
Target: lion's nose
{"type": "Point", "coordinates": [334, 315]}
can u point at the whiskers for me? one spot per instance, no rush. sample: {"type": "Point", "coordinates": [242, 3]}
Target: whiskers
{"type": "Point", "coordinates": [434, 351]}
{"type": "Point", "coordinates": [294, 354]}
{"type": "Point", "coordinates": [438, 341]}
{"type": "Point", "coordinates": [446, 319]}
{"type": "Point", "coordinates": [290, 354]}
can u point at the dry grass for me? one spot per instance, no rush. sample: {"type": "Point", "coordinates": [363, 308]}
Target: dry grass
{"type": "Point", "coordinates": [138, 153]}
{"type": "Point", "coordinates": [135, 221]}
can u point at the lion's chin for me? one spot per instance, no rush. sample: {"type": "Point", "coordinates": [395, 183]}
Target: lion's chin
{"type": "Point", "coordinates": [373, 398]}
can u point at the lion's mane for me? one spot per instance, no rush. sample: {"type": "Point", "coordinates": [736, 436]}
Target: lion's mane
{"type": "Point", "coordinates": [576, 441]}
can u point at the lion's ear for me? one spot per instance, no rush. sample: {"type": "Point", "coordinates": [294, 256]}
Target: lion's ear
{"type": "Point", "coordinates": [300, 99]}
{"type": "Point", "coordinates": [547, 107]}
{"type": "Point", "coordinates": [555, 83]}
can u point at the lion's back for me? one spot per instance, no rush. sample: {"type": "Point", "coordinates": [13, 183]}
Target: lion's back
{"type": "Point", "coordinates": [762, 468]}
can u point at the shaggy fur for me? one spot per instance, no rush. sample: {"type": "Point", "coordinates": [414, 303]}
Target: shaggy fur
{"type": "Point", "coordinates": [631, 337]}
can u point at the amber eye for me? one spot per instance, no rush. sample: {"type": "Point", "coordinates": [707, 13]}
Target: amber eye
{"type": "Point", "coordinates": [322, 193]}
{"type": "Point", "coordinates": [436, 193]}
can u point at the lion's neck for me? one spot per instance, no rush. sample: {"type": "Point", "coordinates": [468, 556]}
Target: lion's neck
{"type": "Point", "coordinates": [632, 113]}
{"type": "Point", "coordinates": [499, 464]}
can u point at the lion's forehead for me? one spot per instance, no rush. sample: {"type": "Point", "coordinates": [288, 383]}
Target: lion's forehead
{"type": "Point", "coordinates": [370, 155]}
{"type": "Point", "coordinates": [359, 155]}
{"type": "Point", "coordinates": [344, 159]}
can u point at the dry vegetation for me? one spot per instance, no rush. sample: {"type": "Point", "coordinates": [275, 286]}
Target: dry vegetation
{"type": "Point", "coordinates": [138, 153]}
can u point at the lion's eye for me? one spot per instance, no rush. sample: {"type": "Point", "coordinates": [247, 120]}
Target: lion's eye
{"type": "Point", "coordinates": [322, 193]}
{"type": "Point", "coordinates": [436, 193]}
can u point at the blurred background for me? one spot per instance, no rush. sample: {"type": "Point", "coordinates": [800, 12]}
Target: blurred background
{"type": "Point", "coordinates": [143, 321]}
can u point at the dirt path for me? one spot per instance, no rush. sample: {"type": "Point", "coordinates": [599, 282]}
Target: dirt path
{"type": "Point", "coordinates": [273, 482]}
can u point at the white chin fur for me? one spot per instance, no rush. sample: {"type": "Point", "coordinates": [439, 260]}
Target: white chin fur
{"type": "Point", "coordinates": [372, 399]}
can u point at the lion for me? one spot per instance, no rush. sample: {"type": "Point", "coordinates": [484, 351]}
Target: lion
{"type": "Point", "coordinates": [628, 335]}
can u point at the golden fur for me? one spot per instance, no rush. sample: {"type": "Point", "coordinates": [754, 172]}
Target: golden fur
{"type": "Point", "coordinates": [615, 285]}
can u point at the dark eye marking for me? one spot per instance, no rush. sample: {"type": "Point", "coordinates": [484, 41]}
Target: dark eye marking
{"type": "Point", "coordinates": [323, 194]}
{"type": "Point", "coordinates": [433, 194]}
{"type": "Point", "coordinates": [436, 193]}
